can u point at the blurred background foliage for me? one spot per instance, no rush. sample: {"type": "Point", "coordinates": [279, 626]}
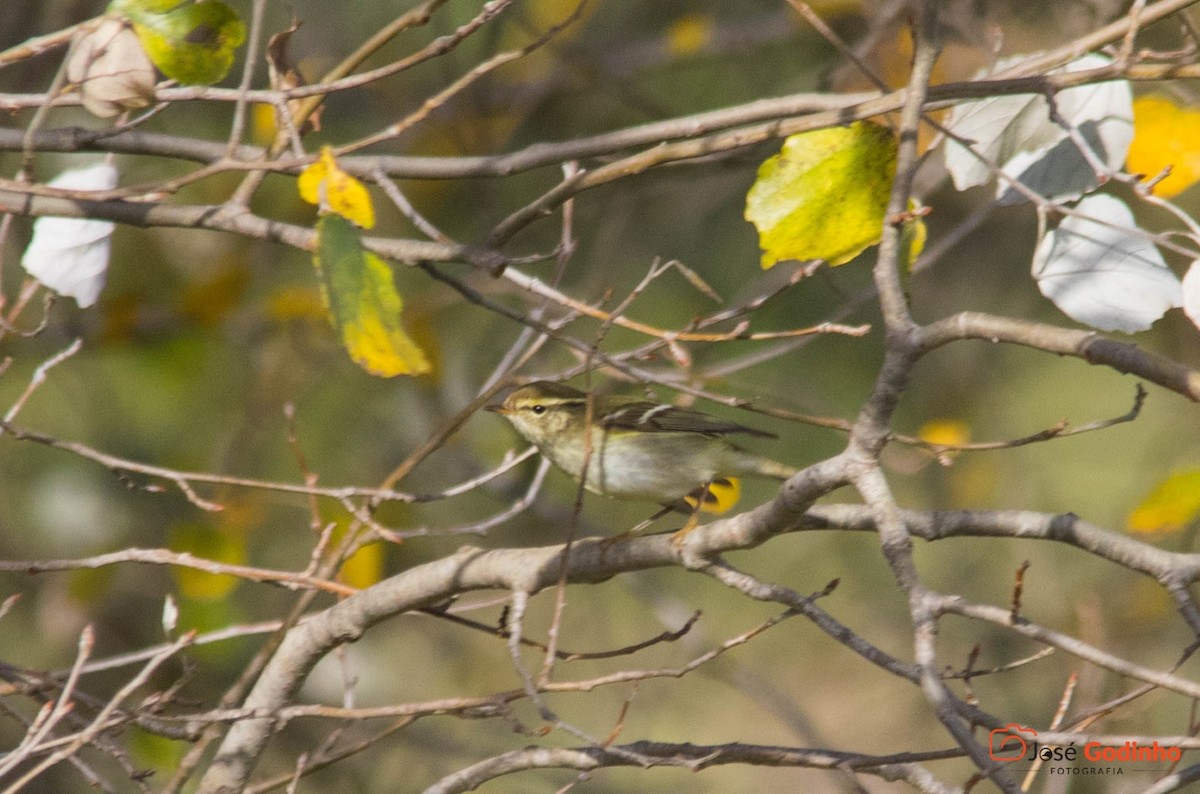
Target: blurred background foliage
{"type": "Point", "coordinates": [200, 339]}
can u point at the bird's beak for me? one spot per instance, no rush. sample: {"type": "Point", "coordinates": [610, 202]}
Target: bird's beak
{"type": "Point", "coordinates": [497, 409]}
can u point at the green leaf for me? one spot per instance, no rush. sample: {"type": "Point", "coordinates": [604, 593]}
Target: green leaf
{"type": "Point", "coordinates": [1172, 505]}
{"type": "Point", "coordinates": [192, 43]}
{"type": "Point", "coordinates": [363, 303]}
{"type": "Point", "coordinates": [824, 195]}
{"type": "Point", "coordinates": [131, 8]}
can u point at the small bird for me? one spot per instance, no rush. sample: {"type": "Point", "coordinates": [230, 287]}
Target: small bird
{"type": "Point", "coordinates": [639, 450]}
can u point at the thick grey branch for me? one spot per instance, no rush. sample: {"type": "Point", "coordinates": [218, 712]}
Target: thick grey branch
{"type": "Point", "coordinates": [517, 570]}
{"type": "Point", "coordinates": [903, 766]}
{"type": "Point", "coordinates": [1087, 345]}
{"type": "Point", "coordinates": [1064, 528]}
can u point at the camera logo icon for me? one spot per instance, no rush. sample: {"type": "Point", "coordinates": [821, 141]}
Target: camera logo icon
{"type": "Point", "coordinates": [1011, 742]}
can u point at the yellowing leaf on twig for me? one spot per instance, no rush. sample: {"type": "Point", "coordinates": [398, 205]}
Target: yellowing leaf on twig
{"type": "Point", "coordinates": [1173, 504]}
{"type": "Point", "coordinates": [1164, 134]}
{"type": "Point", "coordinates": [332, 189]}
{"type": "Point", "coordinates": [364, 306]}
{"type": "Point", "coordinates": [824, 195]}
{"type": "Point", "coordinates": [192, 43]}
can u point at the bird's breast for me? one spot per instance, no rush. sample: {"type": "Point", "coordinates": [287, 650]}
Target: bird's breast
{"type": "Point", "coordinates": [658, 467]}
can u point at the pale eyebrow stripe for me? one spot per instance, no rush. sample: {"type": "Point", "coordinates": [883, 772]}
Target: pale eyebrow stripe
{"type": "Point", "coordinates": [553, 401]}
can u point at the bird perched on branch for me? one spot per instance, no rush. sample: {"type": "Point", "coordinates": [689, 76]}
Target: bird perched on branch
{"type": "Point", "coordinates": [638, 450]}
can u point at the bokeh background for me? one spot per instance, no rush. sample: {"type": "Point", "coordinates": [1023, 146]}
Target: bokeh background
{"type": "Point", "coordinates": [200, 339]}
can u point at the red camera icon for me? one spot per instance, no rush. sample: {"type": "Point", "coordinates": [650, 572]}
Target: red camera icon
{"type": "Point", "coordinates": [1011, 742]}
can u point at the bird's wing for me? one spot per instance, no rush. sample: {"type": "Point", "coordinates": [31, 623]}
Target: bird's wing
{"type": "Point", "coordinates": [650, 417]}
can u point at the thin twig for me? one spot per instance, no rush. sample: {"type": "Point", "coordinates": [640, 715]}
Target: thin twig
{"type": "Point", "coordinates": [182, 560]}
{"type": "Point", "coordinates": [38, 378]}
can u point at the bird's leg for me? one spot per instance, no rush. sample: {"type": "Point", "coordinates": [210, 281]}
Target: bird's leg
{"type": "Point", "coordinates": [629, 533]}
{"type": "Point", "coordinates": [700, 495]}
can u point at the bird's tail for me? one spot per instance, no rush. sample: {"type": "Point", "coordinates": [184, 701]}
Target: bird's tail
{"type": "Point", "coordinates": [765, 467]}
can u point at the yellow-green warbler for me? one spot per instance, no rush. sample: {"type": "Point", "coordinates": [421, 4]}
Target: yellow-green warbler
{"type": "Point", "coordinates": [639, 450]}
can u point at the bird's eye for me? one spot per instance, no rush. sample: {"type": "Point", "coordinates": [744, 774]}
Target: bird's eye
{"type": "Point", "coordinates": [538, 409]}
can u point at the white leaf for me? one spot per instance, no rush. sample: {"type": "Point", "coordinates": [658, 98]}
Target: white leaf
{"type": "Point", "coordinates": [999, 127]}
{"type": "Point", "coordinates": [70, 255]}
{"type": "Point", "coordinates": [1018, 135]}
{"type": "Point", "coordinates": [1191, 293]}
{"type": "Point", "coordinates": [170, 615]}
{"type": "Point", "coordinates": [1104, 276]}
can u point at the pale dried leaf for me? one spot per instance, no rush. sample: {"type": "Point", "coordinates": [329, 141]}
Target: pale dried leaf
{"type": "Point", "coordinates": [111, 69]}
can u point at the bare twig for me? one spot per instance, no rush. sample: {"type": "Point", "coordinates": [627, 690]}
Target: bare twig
{"type": "Point", "coordinates": [182, 560]}
{"type": "Point", "coordinates": [38, 378]}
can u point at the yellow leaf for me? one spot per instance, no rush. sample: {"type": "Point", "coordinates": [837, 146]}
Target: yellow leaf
{"type": "Point", "coordinates": [294, 302]}
{"type": "Point", "coordinates": [1172, 505]}
{"type": "Point", "coordinates": [689, 34]}
{"type": "Point", "coordinates": [333, 190]}
{"type": "Point", "coordinates": [1165, 134]}
{"type": "Point", "coordinates": [913, 235]}
{"type": "Point", "coordinates": [211, 300]}
{"type": "Point", "coordinates": [364, 306]}
{"type": "Point", "coordinates": [364, 567]}
{"type": "Point", "coordinates": [824, 195]}
{"type": "Point", "coordinates": [945, 432]}
{"type": "Point", "coordinates": [373, 342]}
{"type": "Point", "coordinates": [719, 497]}
{"type": "Point", "coordinates": [262, 123]}
{"type": "Point", "coordinates": [542, 14]}
{"type": "Point", "coordinates": [210, 543]}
